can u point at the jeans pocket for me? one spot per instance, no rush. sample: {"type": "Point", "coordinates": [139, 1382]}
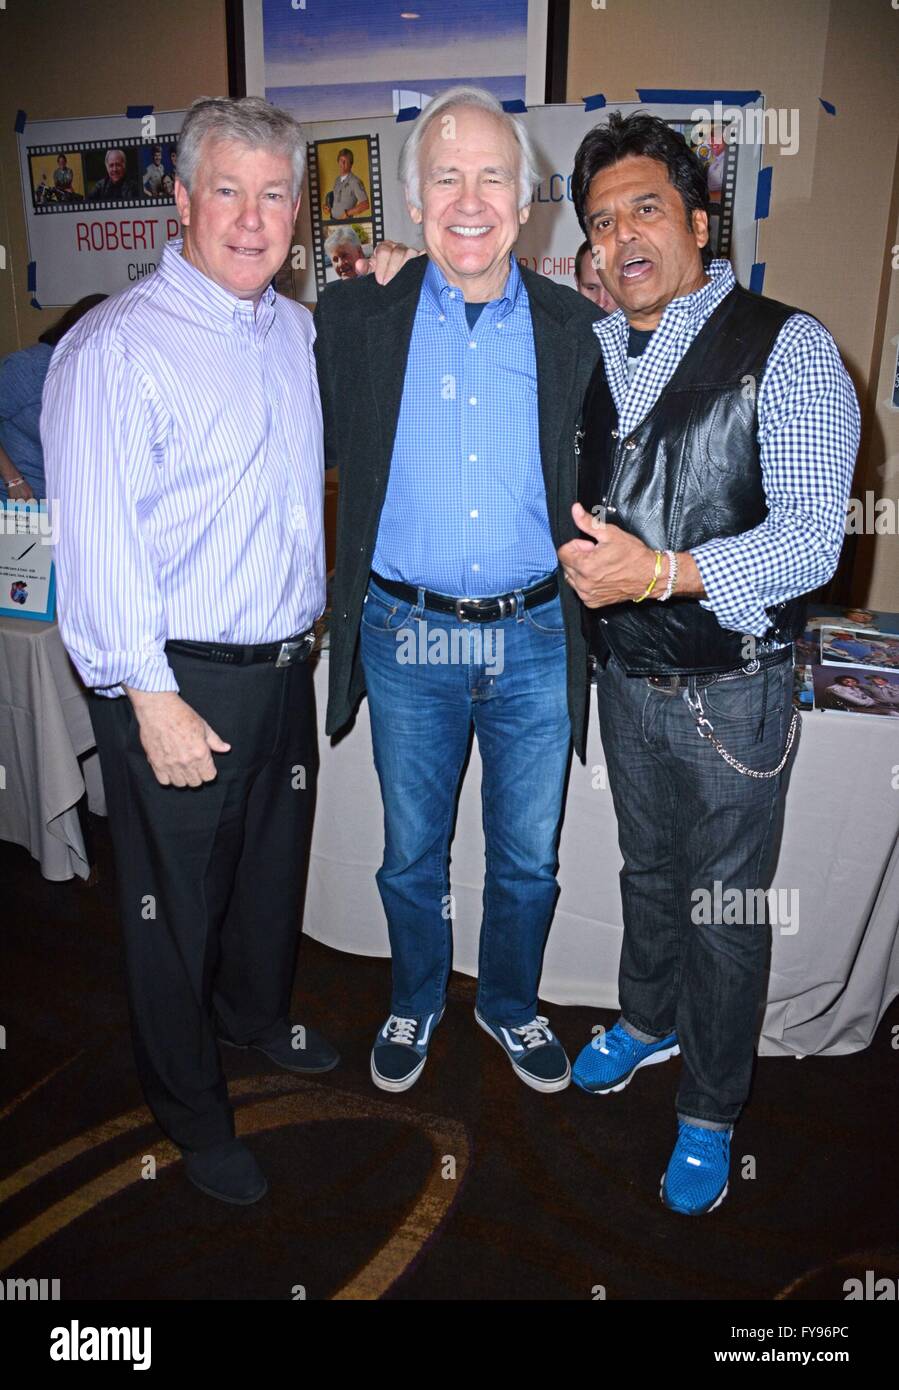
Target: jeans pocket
{"type": "Point", "coordinates": [547, 618]}
{"type": "Point", "coordinates": [383, 613]}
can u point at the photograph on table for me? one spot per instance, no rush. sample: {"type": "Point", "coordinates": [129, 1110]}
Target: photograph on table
{"type": "Point", "coordinates": [828, 615]}
{"type": "Point", "coordinates": [856, 690]}
{"type": "Point", "coordinates": [57, 177]}
{"type": "Point", "coordinates": [345, 205]}
{"type": "Point", "coordinates": [849, 646]}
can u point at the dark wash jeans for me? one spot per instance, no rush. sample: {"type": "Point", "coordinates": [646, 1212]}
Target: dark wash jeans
{"type": "Point", "coordinates": [421, 713]}
{"type": "Point", "coordinates": [686, 820]}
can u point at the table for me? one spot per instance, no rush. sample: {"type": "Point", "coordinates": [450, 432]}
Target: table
{"type": "Point", "coordinates": [831, 978]}
{"type": "Point", "coordinates": [45, 733]}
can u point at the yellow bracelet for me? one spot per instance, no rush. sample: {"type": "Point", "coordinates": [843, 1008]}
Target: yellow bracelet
{"type": "Point", "coordinates": [654, 580]}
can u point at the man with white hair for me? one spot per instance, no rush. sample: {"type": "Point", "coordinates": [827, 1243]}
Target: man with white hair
{"type": "Point", "coordinates": [465, 381]}
{"type": "Point", "coordinates": [115, 187]}
{"type": "Point", "coordinates": [182, 437]}
{"type": "Point", "coordinates": [344, 249]}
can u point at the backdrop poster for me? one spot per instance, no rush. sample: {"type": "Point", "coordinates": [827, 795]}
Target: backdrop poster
{"type": "Point", "coordinates": [549, 240]}
{"type": "Point", "coordinates": [99, 202]}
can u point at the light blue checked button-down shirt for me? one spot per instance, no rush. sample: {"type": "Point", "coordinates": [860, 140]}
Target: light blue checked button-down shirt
{"type": "Point", "coordinates": [465, 511]}
{"type": "Point", "coordinates": [808, 434]}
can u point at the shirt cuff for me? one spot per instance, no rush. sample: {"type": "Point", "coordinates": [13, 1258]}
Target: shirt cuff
{"type": "Point", "coordinates": [154, 675]}
{"type": "Point", "coordinates": [728, 596]}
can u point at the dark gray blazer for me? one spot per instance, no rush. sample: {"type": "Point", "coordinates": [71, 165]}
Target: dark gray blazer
{"type": "Point", "coordinates": [363, 333]}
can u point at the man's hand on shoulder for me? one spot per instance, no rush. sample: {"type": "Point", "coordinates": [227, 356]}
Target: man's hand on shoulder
{"type": "Point", "coordinates": [387, 258]}
{"type": "Point", "coordinates": [178, 743]}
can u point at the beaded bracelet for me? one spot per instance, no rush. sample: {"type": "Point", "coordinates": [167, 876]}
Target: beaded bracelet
{"type": "Point", "coordinates": [672, 576]}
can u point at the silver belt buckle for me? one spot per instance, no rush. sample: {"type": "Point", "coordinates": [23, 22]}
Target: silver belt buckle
{"type": "Point", "coordinates": [458, 607]}
{"type": "Point", "coordinates": [289, 649]}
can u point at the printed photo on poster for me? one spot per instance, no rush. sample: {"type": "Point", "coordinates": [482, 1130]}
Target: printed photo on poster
{"type": "Point", "coordinates": [345, 205]}
{"type": "Point", "coordinates": [57, 178]}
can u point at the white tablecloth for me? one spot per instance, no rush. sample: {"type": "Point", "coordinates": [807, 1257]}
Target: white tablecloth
{"type": "Point", "coordinates": [830, 979]}
{"type": "Point", "coordinates": [44, 730]}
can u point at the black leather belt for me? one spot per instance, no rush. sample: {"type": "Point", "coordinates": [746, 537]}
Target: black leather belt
{"type": "Point", "coordinates": [474, 610]}
{"type": "Point", "coordinates": [670, 685]}
{"type": "Point", "coordinates": [233, 654]}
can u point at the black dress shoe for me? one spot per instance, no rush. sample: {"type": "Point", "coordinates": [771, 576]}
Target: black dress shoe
{"type": "Point", "coordinates": [315, 1055]}
{"type": "Point", "coordinates": [227, 1171]}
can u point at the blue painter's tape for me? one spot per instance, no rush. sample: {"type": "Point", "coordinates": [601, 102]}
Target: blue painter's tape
{"type": "Point", "coordinates": [408, 113]}
{"type": "Point", "coordinates": [134, 113]}
{"type": "Point", "coordinates": [32, 276]}
{"type": "Point", "coordinates": [594, 103]}
{"type": "Point", "coordinates": [19, 126]}
{"type": "Point", "coordinates": [757, 276]}
{"type": "Point", "coordinates": [673, 96]}
{"type": "Point", "coordinates": [828, 106]}
{"type": "Point", "coordinates": [515, 107]}
{"type": "Point", "coordinates": [763, 192]}
{"type": "Point", "coordinates": [34, 303]}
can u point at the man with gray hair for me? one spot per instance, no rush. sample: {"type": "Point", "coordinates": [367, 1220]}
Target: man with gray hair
{"type": "Point", "coordinates": [344, 249]}
{"type": "Point", "coordinates": [465, 381]}
{"type": "Point", "coordinates": [182, 437]}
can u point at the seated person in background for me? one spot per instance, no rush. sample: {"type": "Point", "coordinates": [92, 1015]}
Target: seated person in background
{"type": "Point", "coordinates": [21, 383]}
{"type": "Point", "coordinates": [588, 282]}
{"type": "Point", "coordinates": [345, 249]}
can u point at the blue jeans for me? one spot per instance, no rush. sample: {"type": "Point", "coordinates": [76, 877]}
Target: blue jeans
{"type": "Point", "coordinates": [686, 822]}
{"type": "Point", "coordinates": [429, 678]}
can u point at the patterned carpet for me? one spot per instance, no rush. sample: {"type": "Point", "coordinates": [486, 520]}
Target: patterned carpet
{"type": "Point", "coordinates": [468, 1187]}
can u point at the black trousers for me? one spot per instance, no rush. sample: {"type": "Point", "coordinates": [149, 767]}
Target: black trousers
{"type": "Point", "coordinates": [210, 881]}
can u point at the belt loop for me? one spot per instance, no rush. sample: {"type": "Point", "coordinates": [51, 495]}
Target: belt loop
{"type": "Point", "coordinates": [418, 610]}
{"type": "Point", "coordinates": [519, 605]}
{"type": "Point", "coordinates": [761, 729]}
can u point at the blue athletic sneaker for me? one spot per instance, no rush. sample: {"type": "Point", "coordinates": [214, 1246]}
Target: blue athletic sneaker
{"type": "Point", "coordinates": [610, 1060]}
{"type": "Point", "coordinates": [534, 1051]}
{"type": "Point", "coordinates": [695, 1180]}
{"type": "Point", "coordinates": [401, 1050]}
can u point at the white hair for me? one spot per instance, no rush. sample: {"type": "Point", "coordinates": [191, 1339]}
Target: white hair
{"type": "Point", "coordinates": [409, 170]}
{"type": "Point", "coordinates": [248, 120]}
{"type": "Point", "coordinates": [342, 236]}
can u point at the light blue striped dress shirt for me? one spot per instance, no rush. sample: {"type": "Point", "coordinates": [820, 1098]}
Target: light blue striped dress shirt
{"type": "Point", "coordinates": [465, 510]}
{"type": "Point", "coordinates": [183, 447]}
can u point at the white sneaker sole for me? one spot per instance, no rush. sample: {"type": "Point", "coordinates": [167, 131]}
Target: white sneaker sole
{"type": "Point", "coordinates": [547, 1087]}
{"type": "Point", "coordinates": [647, 1062]}
{"type": "Point", "coordinates": [705, 1212]}
{"type": "Point", "coordinates": [384, 1084]}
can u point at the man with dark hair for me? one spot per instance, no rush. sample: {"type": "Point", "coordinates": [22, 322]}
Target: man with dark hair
{"type": "Point", "coordinates": [587, 281]}
{"type": "Point", "coordinates": [348, 198]}
{"type": "Point", "coordinates": [717, 443]}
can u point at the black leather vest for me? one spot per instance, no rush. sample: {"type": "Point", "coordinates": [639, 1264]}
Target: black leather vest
{"type": "Point", "coordinates": [688, 473]}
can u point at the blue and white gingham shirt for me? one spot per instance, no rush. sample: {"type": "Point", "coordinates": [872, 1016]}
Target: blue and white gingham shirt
{"type": "Point", "coordinates": [183, 447]}
{"type": "Point", "coordinates": [808, 434]}
{"type": "Point", "coordinates": [465, 510]}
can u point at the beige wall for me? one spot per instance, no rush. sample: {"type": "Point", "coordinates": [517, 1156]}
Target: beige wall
{"type": "Point", "coordinates": [832, 222]}
{"type": "Point", "coordinates": [63, 58]}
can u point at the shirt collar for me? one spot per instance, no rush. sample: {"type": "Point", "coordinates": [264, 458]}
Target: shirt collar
{"type": "Point", "coordinates": [437, 288]}
{"type": "Point", "coordinates": [691, 310]}
{"type": "Point", "coordinates": [213, 299]}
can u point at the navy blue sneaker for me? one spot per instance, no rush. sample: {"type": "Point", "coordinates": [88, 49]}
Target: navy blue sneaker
{"type": "Point", "coordinates": [534, 1051]}
{"type": "Point", "coordinates": [401, 1050]}
{"type": "Point", "coordinates": [610, 1060]}
{"type": "Point", "coordinates": [695, 1180]}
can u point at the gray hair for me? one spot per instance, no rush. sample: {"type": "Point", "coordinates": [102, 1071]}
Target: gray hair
{"type": "Point", "coordinates": [342, 236]}
{"type": "Point", "coordinates": [409, 171]}
{"type": "Point", "coordinates": [248, 120]}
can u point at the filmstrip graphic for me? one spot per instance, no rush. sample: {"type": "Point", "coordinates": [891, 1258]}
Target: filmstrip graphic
{"type": "Point", "coordinates": [345, 205]}
{"type": "Point", "coordinates": [129, 172]}
{"type": "Point", "coordinates": [718, 152]}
